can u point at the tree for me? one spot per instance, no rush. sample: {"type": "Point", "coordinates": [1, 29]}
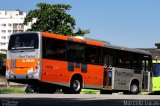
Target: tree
{"type": "Point", "coordinates": [54, 19]}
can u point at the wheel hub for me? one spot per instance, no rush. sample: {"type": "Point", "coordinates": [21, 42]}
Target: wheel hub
{"type": "Point", "coordinates": [134, 88]}
{"type": "Point", "coordinates": [76, 85]}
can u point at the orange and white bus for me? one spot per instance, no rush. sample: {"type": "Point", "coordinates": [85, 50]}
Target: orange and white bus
{"type": "Point", "coordinates": [50, 61]}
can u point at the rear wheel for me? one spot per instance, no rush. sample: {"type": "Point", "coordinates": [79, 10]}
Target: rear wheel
{"type": "Point", "coordinates": [75, 87]}
{"type": "Point", "coordinates": [134, 89]}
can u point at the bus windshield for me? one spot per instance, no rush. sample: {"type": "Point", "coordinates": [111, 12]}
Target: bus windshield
{"type": "Point", "coordinates": [23, 41]}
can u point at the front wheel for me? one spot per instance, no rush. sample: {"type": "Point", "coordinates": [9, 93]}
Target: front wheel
{"type": "Point", "coordinates": [75, 87]}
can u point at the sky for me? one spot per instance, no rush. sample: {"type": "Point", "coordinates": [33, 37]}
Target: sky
{"type": "Point", "coordinates": [128, 23]}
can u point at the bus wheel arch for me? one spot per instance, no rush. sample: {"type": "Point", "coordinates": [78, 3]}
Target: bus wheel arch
{"type": "Point", "coordinates": [134, 86]}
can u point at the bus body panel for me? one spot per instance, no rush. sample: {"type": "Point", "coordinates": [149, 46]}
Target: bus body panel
{"type": "Point", "coordinates": [54, 71]}
{"type": "Point", "coordinates": [122, 78]}
{"type": "Point", "coordinates": [93, 78]}
{"type": "Point", "coordinates": [58, 72]}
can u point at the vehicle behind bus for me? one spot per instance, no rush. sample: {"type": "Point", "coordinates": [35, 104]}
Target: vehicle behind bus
{"type": "Point", "coordinates": [156, 76]}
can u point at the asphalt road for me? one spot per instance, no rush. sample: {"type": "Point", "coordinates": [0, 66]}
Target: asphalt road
{"type": "Point", "coordinates": [78, 100]}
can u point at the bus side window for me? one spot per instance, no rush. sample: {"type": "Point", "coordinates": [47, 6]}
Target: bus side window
{"type": "Point", "coordinates": [136, 61]}
{"type": "Point", "coordinates": [122, 59]}
{"type": "Point", "coordinates": [93, 55]}
{"type": "Point", "coordinates": [76, 52]}
{"type": "Point", "coordinates": [54, 49]}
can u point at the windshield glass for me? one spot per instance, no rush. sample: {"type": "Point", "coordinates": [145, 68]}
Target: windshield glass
{"type": "Point", "coordinates": [23, 41]}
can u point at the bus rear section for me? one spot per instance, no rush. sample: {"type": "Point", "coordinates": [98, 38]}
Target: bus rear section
{"type": "Point", "coordinates": [23, 58]}
{"type": "Point", "coordinates": [126, 70]}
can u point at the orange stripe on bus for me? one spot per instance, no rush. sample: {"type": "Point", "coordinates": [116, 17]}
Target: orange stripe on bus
{"type": "Point", "coordinates": [56, 36]}
{"type": "Point", "coordinates": [61, 37]}
{"type": "Point", "coordinates": [95, 43]}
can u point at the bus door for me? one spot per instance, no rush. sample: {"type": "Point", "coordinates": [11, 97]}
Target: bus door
{"type": "Point", "coordinates": [146, 67]}
{"type": "Point", "coordinates": [107, 76]}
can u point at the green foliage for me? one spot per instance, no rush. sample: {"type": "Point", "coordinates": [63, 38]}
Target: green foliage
{"type": "Point", "coordinates": [2, 56]}
{"type": "Point", "coordinates": [54, 19]}
{"type": "Point", "coordinates": [90, 91]}
{"type": "Point", "coordinates": [2, 63]}
{"type": "Point", "coordinates": [11, 90]}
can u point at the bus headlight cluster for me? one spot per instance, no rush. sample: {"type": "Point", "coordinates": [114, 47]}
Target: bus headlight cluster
{"type": "Point", "coordinates": [36, 69]}
{"type": "Point", "coordinates": [9, 74]}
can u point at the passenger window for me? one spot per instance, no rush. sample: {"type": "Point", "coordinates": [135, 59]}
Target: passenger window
{"type": "Point", "coordinates": [123, 59]}
{"type": "Point", "coordinates": [136, 61]}
{"type": "Point", "coordinates": [75, 52]}
{"type": "Point", "coordinates": [93, 55]}
{"type": "Point", "coordinates": [54, 49]}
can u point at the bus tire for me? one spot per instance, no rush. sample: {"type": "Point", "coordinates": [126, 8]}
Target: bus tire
{"type": "Point", "coordinates": [31, 89]}
{"type": "Point", "coordinates": [134, 88]}
{"type": "Point", "coordinates": [105, 92]}
{"type": "Point", "coordinates": [75, 87]}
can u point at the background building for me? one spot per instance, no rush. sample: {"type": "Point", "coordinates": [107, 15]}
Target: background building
{"type": "Point", "coordinates": [10, 22]}
{"type": "Point", "coordinates": [155, 52]}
